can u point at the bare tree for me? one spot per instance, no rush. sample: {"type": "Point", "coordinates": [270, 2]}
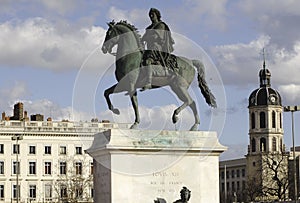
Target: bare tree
{"type": "Point", "coordinates": [253, 189]}
{"type": "Point", "coordinates": [275, 175]}
{"type": "Point", "coordinates": [74, 181]}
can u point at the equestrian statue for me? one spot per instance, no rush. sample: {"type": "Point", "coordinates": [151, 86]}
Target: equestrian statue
{"type": "Point", "coordinates": [152, 68]}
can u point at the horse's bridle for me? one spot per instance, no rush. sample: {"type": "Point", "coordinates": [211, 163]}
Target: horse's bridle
{"type": "Point", "coordinates": [117, 38]}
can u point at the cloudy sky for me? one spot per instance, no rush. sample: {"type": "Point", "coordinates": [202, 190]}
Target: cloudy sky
{"type": "Point", "coordinates": [51, 60]}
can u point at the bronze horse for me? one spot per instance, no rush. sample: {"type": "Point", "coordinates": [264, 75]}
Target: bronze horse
{"type": "Point", "coordinates": [129, 71]}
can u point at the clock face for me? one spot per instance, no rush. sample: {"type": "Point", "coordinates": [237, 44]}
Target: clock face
{"type": "Point", "coordinates": [272, 98]}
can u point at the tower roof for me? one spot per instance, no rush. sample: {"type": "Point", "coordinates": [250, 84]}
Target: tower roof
{"type": "Point", "coordinates": [264, 95]}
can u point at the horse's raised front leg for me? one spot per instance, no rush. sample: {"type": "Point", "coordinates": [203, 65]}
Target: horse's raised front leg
{"type": "Point", "coordinates": [135, 106]}
{"type": "Point", "coordinates": [108, 92]}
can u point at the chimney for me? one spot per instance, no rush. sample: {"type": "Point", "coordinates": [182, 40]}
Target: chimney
{"type": "Point", "coordinates": [3, 115]}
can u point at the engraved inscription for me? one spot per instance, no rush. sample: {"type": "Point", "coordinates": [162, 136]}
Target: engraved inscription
{"type": "Point", "coordinates": [166, 182]}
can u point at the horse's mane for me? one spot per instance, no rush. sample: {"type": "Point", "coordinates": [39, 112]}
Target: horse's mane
{"type": "Point", "coordinates": [132, 28]}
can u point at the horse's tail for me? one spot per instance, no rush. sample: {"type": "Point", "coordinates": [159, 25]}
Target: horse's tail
{"type": "Point", "coordinates": [208, 95]}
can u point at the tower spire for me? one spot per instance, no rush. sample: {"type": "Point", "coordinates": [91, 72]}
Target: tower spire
{"type": "Point", "coordinates": [264, 73]}
{"type": "Point", "coordinates": [264, 57]}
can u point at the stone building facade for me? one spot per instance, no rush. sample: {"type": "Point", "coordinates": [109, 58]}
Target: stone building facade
{"type": "Point", "coordinates": [53, 165]}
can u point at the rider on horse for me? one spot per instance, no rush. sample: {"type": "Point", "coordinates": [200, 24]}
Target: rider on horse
{"type": "Point", "coordinates": [159, 44]}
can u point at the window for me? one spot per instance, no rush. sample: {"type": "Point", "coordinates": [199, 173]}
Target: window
{"type": "Point", "coordinates": [31, 149]}
{"type": "Point", "coordinates": [222, 187]}
{"type": "Point", "coordinates": [253, 145]}
{"type": "Point", "coordinates": [15, 191]}
{"type": "Point", "coordinates": [238, 173]}
{"type": "Point", "coordinates": [78, 168]}
{"type": "Point", "coordinates": [274, 143]}
{"type": "Point", "coordinates": [92, 192]}
{"type": "Point", "coordinates": [63, 168]}
{"type": "Point", "coordinates": [238, 185]}
{"type": "Point", "coordinates": [1, 192]}
{"type": "Point", "coordinates": [63, 150]}
{"type": "Point", "coordinates": [32, 191]}
{"type": "Point", "coordinates": [243, 185]}
{"type": "Point", "coordinates": [253, 120]}
{"type": "Point", "coordinates": [47, 168]}
{"type": "Point", "coordinates": [227, 174]}
{"type": "Point", "coordinates": [280, 120]}
{"type": "Point", "coordinates": [262, 117]}
{"type": "Point", "coordinates": [222, 175]}
{"type": "Point", "coordinates": [47, 149]}
{"type": "Point", "coordinates": [273, 119]}
{"type": "Point", "coordinates": [78, 192]}
{"type": "Point", "coordinates": [263, 144]}
{"type": "Point", "coordinates": [232, 174]}
{"type": "Point", "coordinates": [16, 167]}
{"type": "Point", "coordinates": [16, 149]}
{"type": "Point", "coordinates": [1, 167]}
{"type": "Point", "coordinates": [32, 168]}
{"type": "Point", "coordinates": [63, 191]}
{"type": "Point", "coordinates": [232, 186]}
{"type": "Point", "coordinates": [243, 172]}
{"type": "Point", "coordinates": [1, 148]}
{"type": "Point", "coordinates": [78, 150]}
{"type": "Point", "coordinates": [48, 192]}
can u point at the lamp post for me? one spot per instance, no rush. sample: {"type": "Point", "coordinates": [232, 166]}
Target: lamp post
{"type": "Point", "coordinates": [17, 137]}
{"type": "Point", "coordinates": [292, 109]}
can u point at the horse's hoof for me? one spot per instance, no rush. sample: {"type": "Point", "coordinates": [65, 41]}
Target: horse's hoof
{"type": "Point", "coordinates": [116, 111]}
{"type": "Point", "coordinates": [194, 127]}
{"type": "Point", "coordinates": [175, 118]}
{"type": "Point", "coordinates": [134, 126]}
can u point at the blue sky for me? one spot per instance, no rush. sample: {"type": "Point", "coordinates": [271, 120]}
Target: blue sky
{"type": "Point", "coordinates": [51, 59]}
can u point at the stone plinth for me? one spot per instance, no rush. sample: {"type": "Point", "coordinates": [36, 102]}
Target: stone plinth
{"type": "Point", "coordinates": [141, 166]}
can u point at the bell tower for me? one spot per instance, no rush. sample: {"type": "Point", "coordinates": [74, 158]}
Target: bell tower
{"type": "Point", "coordinates": [265, 117]}
{"type": "Point", "coordinates": [265, 131]}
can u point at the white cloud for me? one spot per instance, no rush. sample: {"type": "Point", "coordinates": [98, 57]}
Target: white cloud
{"type": "Point", "coordinates": [11, 93]}
{"type": "Point", "coordinates": [279, 19]}
{"type": "Point", "coordinates": [15, 91]}
{"type": "Point", "coordinates": [239, 63]}
{"type": "Point", "coordinates": [138, 17]}
{"type": "Point", "coordinates": [49, 109]}
{"type": "Point", "coordinates": [39, 43]}
{"type": "Point", "coordinates": [290, 94]}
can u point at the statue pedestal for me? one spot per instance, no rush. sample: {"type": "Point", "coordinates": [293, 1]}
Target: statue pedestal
{"type": "Point", "coordinates": [141, 166]}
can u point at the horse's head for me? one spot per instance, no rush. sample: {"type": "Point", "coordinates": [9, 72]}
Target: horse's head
{"type": "Point", "coordinates": [111, 38]}
{"type": "Point", "coordinates": [121, 32]}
